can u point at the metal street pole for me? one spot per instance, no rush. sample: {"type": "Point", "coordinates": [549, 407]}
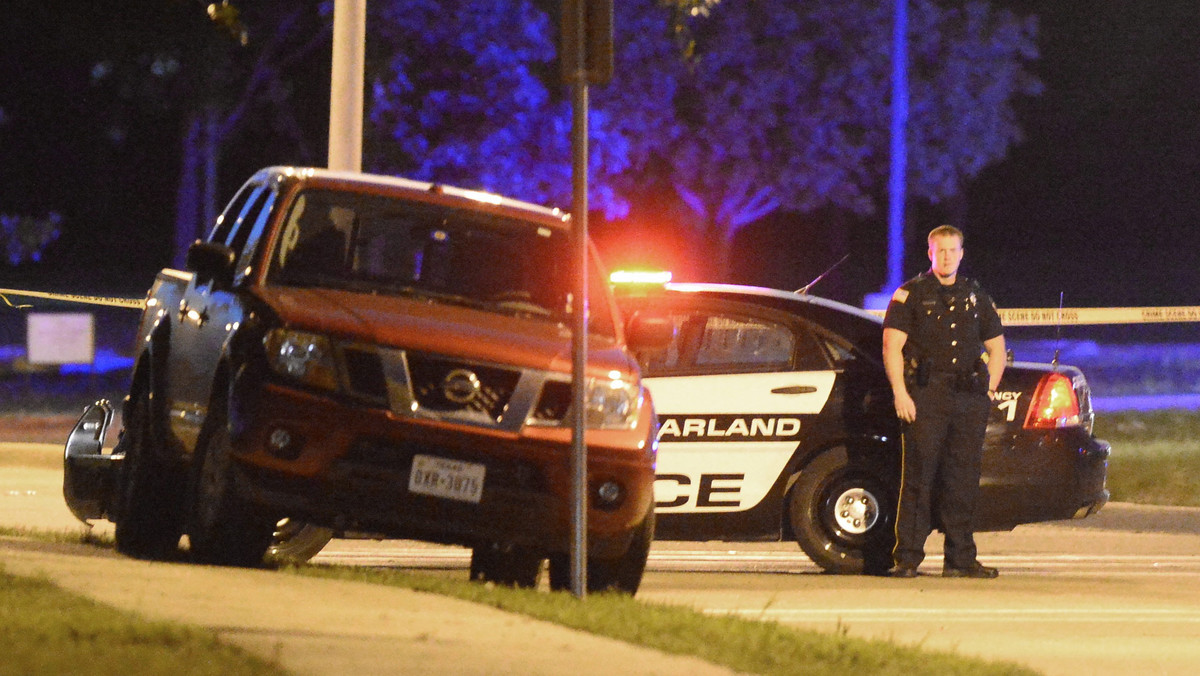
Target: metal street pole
{"type": "Point", "coordinates": [346, 85]}
{"type": "Point", "coordinates": [579, 217]}
{"type": "Point", "coordinates": [897, 176]}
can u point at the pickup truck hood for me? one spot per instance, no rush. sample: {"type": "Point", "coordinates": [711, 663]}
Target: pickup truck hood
{"type": "Point", "coordinates": [426, 326]}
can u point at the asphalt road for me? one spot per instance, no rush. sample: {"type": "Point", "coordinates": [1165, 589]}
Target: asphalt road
{"type": "Point", "coordinates": [1118, 593]}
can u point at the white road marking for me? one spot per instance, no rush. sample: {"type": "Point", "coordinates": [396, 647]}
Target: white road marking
{"type": "Point", "coordinates": [958, 614]}
{"type": "Point", "coordinates": [697, 560]}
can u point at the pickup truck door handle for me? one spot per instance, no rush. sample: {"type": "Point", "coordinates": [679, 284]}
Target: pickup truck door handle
{"type": "Point", "coordinates": [794, 389]}
{"type": "Point", "coordinates": [186, 312]}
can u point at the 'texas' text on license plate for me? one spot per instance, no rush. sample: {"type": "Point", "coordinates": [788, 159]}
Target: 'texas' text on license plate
{"type": "Point", "coordinates": [445, 478]}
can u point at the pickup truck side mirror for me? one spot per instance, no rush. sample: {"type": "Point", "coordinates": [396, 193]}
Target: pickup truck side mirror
{"type": "Point", "coordinates": [211, 261]}
{"type": "Point", "coordinates": [649, 332]}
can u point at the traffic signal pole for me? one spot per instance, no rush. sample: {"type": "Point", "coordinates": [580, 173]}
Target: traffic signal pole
{"type": "Point", "coordinates": [579, 219]}
{"type": "Point", "coordinates": [586, 56]}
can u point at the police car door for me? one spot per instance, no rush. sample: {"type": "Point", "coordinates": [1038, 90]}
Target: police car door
{"type": "Point", "coordinates": [734, 393]}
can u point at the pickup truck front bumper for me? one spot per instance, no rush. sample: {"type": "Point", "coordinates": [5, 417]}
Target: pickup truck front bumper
{"type": "Point", "coordinates": [351, 468]}
{"type": "Point", "coordinates": [90, 474]}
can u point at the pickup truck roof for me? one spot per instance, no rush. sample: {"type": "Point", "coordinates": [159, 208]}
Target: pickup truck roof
{"type": "Point", "coordinates": [365, 180]}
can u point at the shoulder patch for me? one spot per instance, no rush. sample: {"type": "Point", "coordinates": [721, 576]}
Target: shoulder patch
{"type": "Point", "coordinates": [900, 296]}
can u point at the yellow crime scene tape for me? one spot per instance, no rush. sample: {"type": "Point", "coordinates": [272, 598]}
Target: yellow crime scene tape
{"type": "Point", "coordinates": [1080, 316]}
{"type": "Point", "coordinates": [131, 303]}
{"type": "Point", "coordinates": [1098, 315]}
{"type": "Point", "coordinates": [1067, 316]}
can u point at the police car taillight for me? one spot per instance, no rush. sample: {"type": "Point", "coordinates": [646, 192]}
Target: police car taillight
{"type": "Point", "coordinates": [1054, 404]}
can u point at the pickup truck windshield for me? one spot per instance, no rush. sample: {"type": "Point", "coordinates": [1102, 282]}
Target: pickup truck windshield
{"type": "Point", "coordinates": [345, 240]}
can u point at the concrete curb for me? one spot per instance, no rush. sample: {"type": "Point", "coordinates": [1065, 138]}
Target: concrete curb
{"type": "Point", "coordinates": [309, 626]}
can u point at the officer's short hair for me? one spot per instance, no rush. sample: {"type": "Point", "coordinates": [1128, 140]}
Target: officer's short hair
{"type": "Point", "coordinates": [945, 231]}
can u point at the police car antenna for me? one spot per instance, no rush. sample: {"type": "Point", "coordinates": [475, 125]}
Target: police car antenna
{"type": "Point", "coordinates": [1058, 332]}
{"type": "Point", "coordinates": [804, 289]}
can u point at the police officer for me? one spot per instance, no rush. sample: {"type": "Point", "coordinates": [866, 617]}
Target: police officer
{"type": "Point", "coordinates": [943, 350]}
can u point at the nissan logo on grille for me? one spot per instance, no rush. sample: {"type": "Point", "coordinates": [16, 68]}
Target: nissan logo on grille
{"type": "Point", "coordinates": [460, 386]}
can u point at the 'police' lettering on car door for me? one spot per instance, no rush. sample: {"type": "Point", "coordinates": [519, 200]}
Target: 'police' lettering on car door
{"type": "Point", "coordinates": [713, 490]}
{"type": "Point", "coordinates": [727, 428]}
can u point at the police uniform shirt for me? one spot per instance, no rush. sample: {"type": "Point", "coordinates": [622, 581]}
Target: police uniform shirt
{"type": "Point", "coordinates": [946, 324]}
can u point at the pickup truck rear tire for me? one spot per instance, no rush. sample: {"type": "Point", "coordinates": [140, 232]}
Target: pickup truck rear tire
{"type": "Point", "coordinates": [148, 515]}
{"type": "Point", "coordinates": [224, 529]}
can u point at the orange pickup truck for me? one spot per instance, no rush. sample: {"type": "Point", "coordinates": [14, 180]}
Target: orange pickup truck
{"type": "Point", "coordinates": [375, 355]}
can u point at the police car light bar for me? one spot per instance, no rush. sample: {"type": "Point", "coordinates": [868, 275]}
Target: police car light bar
{"type": "Point", "coordinates": [657, 277]}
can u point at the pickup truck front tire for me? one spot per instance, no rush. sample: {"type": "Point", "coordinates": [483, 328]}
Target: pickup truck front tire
{"type": "Point", "coordinates": [224, 529]}
{"type": "Point", "coordinates": [508, 566]}
{"type": "Point", "coordinates": [622, 575]}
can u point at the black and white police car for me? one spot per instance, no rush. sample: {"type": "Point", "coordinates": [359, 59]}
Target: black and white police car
{"type": "Point", "coordinates": [777, 422]}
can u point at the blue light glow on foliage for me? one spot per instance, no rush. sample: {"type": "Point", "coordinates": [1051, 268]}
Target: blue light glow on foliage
{"type": "Point", "coordinates": [782, 105]}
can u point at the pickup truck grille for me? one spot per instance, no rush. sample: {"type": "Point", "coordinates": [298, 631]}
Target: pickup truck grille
{"type": "Point", "coordinates": [364, 370]}
{"type": "Point", "coordinates": [554, 404]}
{"type": "Point", "coordinates": [453, 390]}
{"type": "Point", "coordinates": [433, 382]}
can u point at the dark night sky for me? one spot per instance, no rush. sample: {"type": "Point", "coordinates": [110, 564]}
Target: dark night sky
{"type": "Point", "coordinates": [1100, 203]}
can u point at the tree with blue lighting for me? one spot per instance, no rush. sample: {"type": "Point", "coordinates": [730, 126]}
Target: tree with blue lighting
{"type": "Point", "coordinates": [788, 105]}
{"type": "Point", "coordinates": [775, 104]}
{"type": "Point", "coordinates": [468, 97]}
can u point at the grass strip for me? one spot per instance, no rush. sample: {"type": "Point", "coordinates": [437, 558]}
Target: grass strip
{"type": "Point", "coordinates": [48, 631]}
{"type": "Point", "coordinates": [745, 645]}
{"type": "Point", "coordinates": [1155, 458]}
{"type": "Point", "coordinates": [1155, 476]}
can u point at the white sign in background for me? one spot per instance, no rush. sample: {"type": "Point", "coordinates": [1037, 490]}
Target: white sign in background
{"type": "Point", "coordinates": [60, 338]}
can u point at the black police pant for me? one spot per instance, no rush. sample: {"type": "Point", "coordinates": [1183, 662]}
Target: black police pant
{"type": "Point", "coordinates": [940, 471]}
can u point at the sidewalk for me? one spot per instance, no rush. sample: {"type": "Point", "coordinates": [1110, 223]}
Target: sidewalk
{"type": "Point", "coordinates": [309, 626]}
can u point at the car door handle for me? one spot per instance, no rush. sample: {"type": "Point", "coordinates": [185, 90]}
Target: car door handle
{"type": "Point", "coordinates": [794, 389]}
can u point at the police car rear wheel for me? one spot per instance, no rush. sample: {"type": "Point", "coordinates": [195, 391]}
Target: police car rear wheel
{"type": "Point", "coordinates": [855, 511]}
{"type": "Point", "coordinates": [841, 516]}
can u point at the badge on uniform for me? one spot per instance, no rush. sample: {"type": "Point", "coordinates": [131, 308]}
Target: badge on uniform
{"type": "Point", "coordinates": [900, 296]}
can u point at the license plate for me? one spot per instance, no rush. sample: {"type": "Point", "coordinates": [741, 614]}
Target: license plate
{"type": "Point", "coordinates": [445, 478]}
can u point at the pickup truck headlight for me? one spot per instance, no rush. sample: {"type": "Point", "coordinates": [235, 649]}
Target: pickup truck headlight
{"type": "Point", "coordinates": [306, 357]}
{"type": "Point", "coordinates": [613, 403]}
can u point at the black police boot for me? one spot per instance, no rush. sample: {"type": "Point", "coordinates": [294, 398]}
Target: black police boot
{"type": "Point", "coordinates": [903, 570]}
{"type": "Point", "coordinates": [975, 570]}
